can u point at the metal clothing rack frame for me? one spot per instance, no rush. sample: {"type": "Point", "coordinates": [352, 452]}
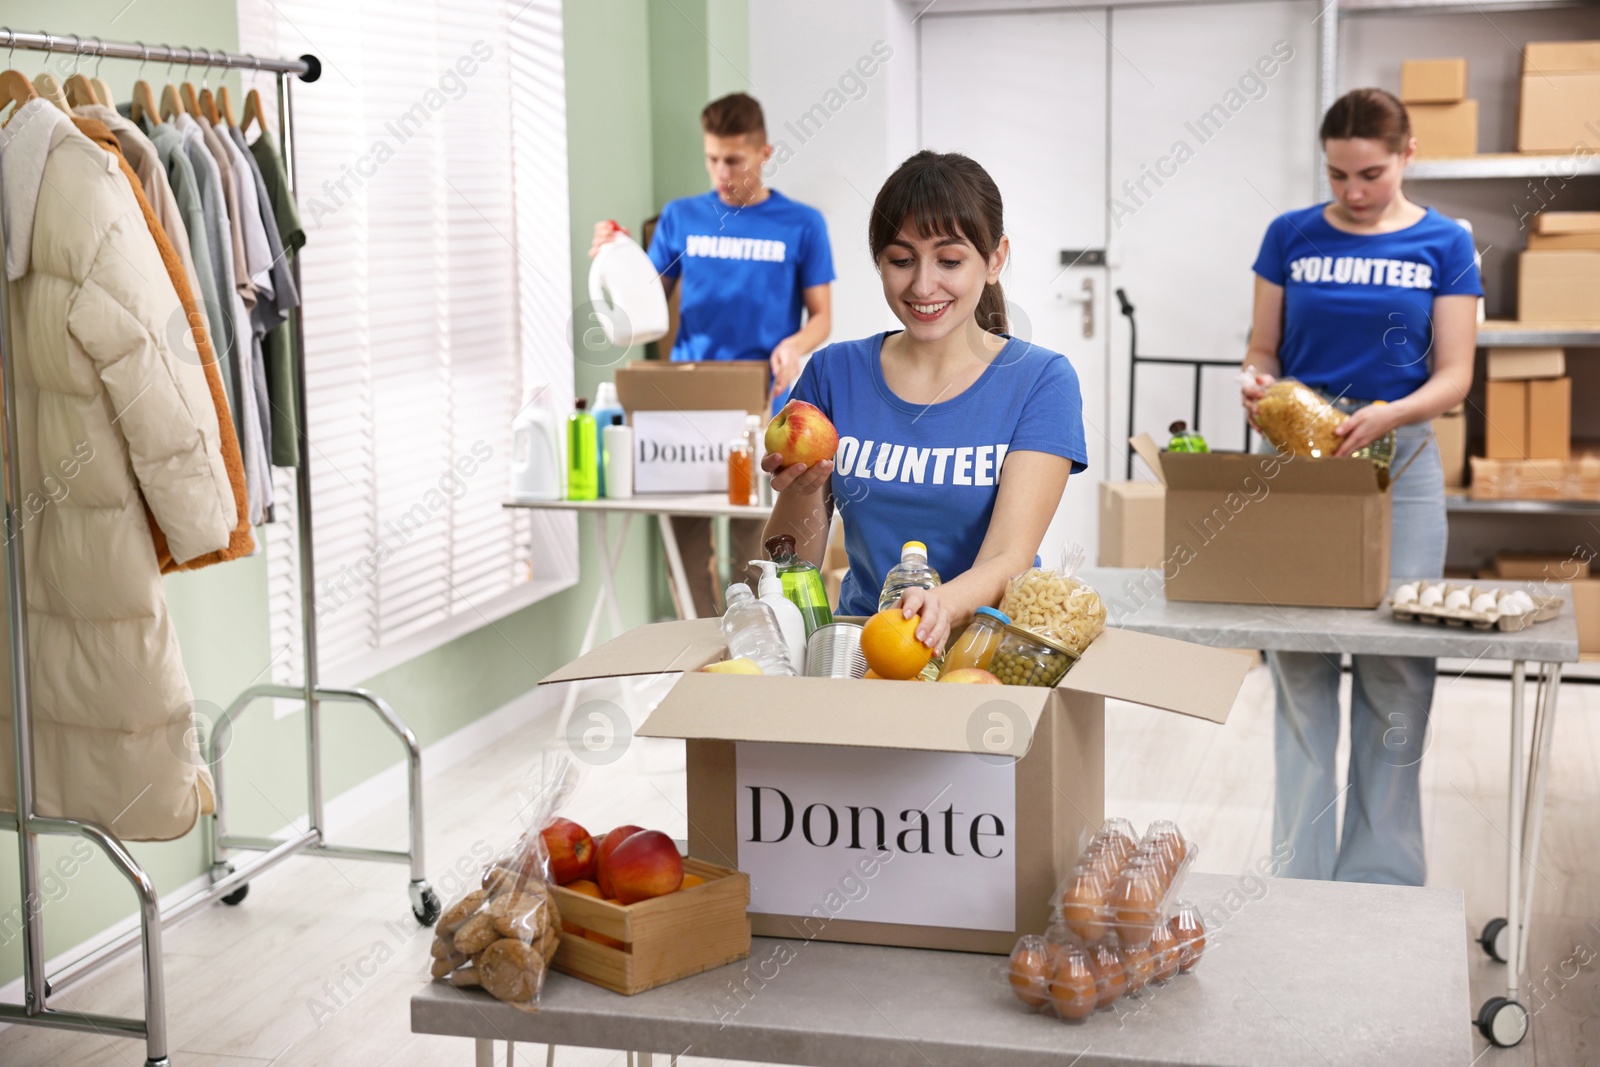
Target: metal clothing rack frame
{"type": "Point", "coordinates": [229, 883]}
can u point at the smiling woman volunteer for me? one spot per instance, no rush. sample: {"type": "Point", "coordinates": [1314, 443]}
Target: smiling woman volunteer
{"type": "Point", "coordinates": [951, 431]}
{"type": "Point", "coordinates": [1366, 298]}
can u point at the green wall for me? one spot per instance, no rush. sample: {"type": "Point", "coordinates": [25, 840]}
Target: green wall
{"type": "Point", "coordinates": [617, 168]}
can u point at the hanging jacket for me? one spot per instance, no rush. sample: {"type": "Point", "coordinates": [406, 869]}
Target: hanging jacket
{"type": "Point", "coordinates": [107, 409]}
{"type": "Point", "coordinates": [240, 542]}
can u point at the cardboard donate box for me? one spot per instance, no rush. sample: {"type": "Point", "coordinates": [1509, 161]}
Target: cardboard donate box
{"type": "Point", "coordinates": [901, 813]}
{"type": "Point", "coordinates": [685, 416]}
{"type": "Point", "coordinates": [1258, 528]}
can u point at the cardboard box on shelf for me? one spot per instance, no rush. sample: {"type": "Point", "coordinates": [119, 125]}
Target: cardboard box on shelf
{"type": "Point", "coordinates": [1550, 418]}
{"type": "Point", "coordinates": [1450, 429]}
{"type": "Point", "coordinates": [1586, 606]}
{"type": "Point", "coordinates": [1539, 566]}
{"type": "Point", "coordinates": [1132, 531]}
{"type": "Point", "coordinates": [1566, 222]}
{"type": "Point", "coordinates": [1577, 478]}
{"type": "Point", "coordinates": [684, 417]}
{"type": "Point", "coordinates": [1560, 95]}
{"type": "Point", "coordinates": [954, 810]}
{"type": "Point", "coordinates": [1445, 131]}
{"type": "Point", "coordinates": [1433, 81]}
{"type": "Point", "coordinates": [1558, 286]}
{"type": "Point", "coordinates": [1582, 242]}
{"type": "Point", "coordinates": [1245, 528]}
{"type": "Point", "coordinates": [1505, 416]}
{"type": "Point", "coordinates": [1520, 364]}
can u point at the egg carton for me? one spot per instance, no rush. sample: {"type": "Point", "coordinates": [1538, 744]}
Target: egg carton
{"type": "Point", "coordinates": [1544, 609]}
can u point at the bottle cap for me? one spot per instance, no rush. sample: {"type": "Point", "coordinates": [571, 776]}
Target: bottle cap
{"type": "Point", "coordinates": [736, 591]}
{"type": "Point", "coordinates": [616, 420]}
{"type": "Point", "coordinates": [915, 546]}
{"type": "Point", "coordinates": [995, 613]}
{"type": "Point", "coordinates": [1178, 427]}
{"type": "Point", "coordinates": [582, 403]}
{"type": "Point", "coordinates": [779, 545]}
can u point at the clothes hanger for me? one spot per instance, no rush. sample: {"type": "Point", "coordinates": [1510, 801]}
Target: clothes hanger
{"type": "Point", "coordinates": [171, 99]}
{"type": "Point", "coordinates": [144, 101]}
{"type": "Point", "coordinates": [79, 91]}
{"type": "Point", "coordinates": [190, 102]}
{"type": "Point", "coordinates": [15, 88]}
{"type": "Point", "coordinates": [47, 85]}
{"type": "Point", "coordinates": [208, 104]}
{"type": "Point", "coordinates": [225, 105]}
{"type": "Point", "coordinates": [252, 107]}
{"type": "Point", "coordinates": [101, 89]}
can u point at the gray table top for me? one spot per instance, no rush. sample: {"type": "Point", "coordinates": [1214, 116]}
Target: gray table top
{"type": "Point", "coordinates": [1134, 602]}
{"type": "Point", "coordinates": [1295, 972]}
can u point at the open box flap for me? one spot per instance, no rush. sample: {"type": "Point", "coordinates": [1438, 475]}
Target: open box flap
{"type": "Point", "coordinates": [1160, 673]}
{"type": "Point", "coordinates": [1150, 452]}
{"type": "Point", "coordinates": [867, 713]}
{"type": "Point", "coordinates": [1249, 474]}
{"type": "Point", "coordinates": [655, 649]}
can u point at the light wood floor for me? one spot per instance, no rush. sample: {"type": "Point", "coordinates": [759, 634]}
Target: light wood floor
{"type": "Point", "coordinates": [278, 979]}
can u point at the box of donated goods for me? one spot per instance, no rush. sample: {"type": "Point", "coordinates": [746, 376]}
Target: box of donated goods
{"type": "Point", "coordinates": [1433, 81]}
{"type": "Point", "coordinates": [1131, 524]}
{"type": "Point", "coordinates": [1558, 285]}
{"type": "Point", "coordinates": [1450, 431]}
{"type": "Point", "coordinates": [686, 416]}
{"type": "Point", "coordinates": [1445, 131]}
{"type": "Point", "coordinates": [1520, 364]}
{"type": "Point", "coordinates": [1254, 528]}
{"type": "Point", "coordinates": [925, 815]}
{"type": "Point", "coordinates": [1560, 96]}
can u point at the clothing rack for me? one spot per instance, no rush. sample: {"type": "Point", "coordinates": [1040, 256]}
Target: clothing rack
{"type": "Point", "coordinates": [229, 882]}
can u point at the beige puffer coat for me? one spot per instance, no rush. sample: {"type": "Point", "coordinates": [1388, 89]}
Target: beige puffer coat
{"type": "Point", "coordinates": [111, 403]}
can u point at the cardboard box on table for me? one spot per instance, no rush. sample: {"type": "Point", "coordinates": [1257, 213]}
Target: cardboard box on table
{"type": "Point", "coordinates": [985, 792]}
{"type": "Point", "coordinates": [1132, 524]}
{"type": "Point", "coordinates": [1248, 528]}
{"type": "Point", "coordinates": [684, 418]}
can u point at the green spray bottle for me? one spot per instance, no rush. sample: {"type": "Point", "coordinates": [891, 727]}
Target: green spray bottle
{"type": "Point", "coordinates": [802, 582]}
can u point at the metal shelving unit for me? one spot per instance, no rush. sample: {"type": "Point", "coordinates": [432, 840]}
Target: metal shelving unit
{"type": "Point", "coordinates": [1503, 165]}
{"type": "Point", "coordinates": [1467, 506]}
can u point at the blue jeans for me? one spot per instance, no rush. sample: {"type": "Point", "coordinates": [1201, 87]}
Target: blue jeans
{"type": "Point", "coordinates": [1390, 698]}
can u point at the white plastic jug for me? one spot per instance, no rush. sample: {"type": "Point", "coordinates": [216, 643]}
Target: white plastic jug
{"type": "Point", "coordinates": [535, 454]}
{"type": "Point", "coordinates": [626, 293]}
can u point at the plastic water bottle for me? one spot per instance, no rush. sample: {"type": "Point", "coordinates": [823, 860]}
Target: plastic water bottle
{"type": "Point", "coordinates": [912, 572]}
{"type": "Point", "coordinates": [751, 630]}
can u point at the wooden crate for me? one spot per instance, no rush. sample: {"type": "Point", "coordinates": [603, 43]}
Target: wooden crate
{"type": "Point", "coordinates": [664, 939]}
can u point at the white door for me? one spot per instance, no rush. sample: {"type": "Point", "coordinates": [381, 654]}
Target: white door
{"type": "Point", "coordinates": [1024, 94]}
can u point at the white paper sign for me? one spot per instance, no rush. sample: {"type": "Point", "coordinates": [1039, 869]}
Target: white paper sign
{"type": "Point", "coordinates": [812, 818]}
{"type": "Point", "coordinates": [683, 451]}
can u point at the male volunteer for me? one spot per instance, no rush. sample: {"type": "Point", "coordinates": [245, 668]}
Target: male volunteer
{"type": "Point", "coordinates": [749, 259]}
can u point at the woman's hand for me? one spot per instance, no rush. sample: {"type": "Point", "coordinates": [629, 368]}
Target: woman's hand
{"type": "Point", "coordinates": [1250, 395]}
{"type": "Point", "coordinates": [796, 476]}
{"type": "Point", "coordinates": [1365, 426]}
{"type": "Point", "coordinates": [937, 617]}
{"type": "Point", "coordinates": [785, 361]}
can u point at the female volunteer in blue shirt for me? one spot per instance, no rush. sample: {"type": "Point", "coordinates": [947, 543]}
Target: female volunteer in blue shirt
{"type": "Point", "coordinates": [951, 431]}
{"type": "Point", "coordinates": [1366, 298]}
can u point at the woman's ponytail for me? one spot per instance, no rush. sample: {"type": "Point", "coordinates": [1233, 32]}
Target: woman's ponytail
{"type": "Point", "coordinates": [991, 312]}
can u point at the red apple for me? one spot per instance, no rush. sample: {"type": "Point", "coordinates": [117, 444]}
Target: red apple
{"type": "Point", "coordinates": [571, 851]}
{"type": "Point", "coordinates": [603, 850]}
{"type": "Point", "coordinates": [646, 865]}
{"type": "Point", "coordinates": [802, 434]}
{"type": "Point", "coordinates": [969, 675]}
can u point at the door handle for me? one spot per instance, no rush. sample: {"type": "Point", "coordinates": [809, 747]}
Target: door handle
{"type": "Point", "coordinates": [1084, 297]}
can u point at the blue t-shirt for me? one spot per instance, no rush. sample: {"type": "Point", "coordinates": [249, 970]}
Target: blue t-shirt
{"type": "Point", "coordinates": [742, 271]}
{"type": "Point", "coordinates": [931, 472]}
{"type": "Point", "coordinates": [1358, 308]}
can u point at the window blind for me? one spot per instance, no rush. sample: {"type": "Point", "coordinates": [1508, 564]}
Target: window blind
{"type": "Point", "coordinates": [431, 158]}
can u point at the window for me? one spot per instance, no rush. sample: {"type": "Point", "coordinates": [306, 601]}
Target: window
{"type": "Point", "coordinates": [431, 157]}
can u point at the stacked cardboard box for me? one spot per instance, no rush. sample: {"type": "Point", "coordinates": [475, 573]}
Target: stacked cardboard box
{"type": "Point", "coordinates": [1527, 418]}
{"type": "Point", "coordinates": [1559, 275]}
{"type": "Point", "coordinates": [1577, 478]}
{"type": "Point", "coordinates": [1450, 430]}
{"type": "Point", "coordinates": [1560, 96]}
{"type": "Point", "coordinates": [1443, 120]}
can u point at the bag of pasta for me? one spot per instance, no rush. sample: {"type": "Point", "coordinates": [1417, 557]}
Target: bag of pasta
{"type": "Point", "coordinates": [502, 935]}
{"type": "Point", "coordinates": [1297, 420]}
{"type": "Point", "coordinates": [1055, 604]}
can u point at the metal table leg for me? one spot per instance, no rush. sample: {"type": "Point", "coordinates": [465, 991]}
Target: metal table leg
{"type": "Point", "coordinates": [1544, 724]}
{"type": "Point", "coordinates": [485, 1052]}
{"type": "Point", "coordinates": [605, 602]}
{"type": "Point", "coordinates": [680, 579]}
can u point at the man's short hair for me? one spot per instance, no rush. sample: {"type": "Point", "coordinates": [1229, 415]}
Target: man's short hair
{"type": "Point", "coordinates": [734, 115]}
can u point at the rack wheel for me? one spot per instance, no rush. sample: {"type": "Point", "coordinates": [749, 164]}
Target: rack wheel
{"type": "Point", "coordinates": [1494, 939]}
{"type": "Point", "coordinates": [1504, 1022]}
{"type": "Point", "coordinates": [429, 909]}
{"type": "Point", "coordinates": [238, 895]}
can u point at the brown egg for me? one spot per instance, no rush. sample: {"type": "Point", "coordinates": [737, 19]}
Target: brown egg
{"type": "Point", "coordinates": [1134, 900]}
{"type": "Point", "coordinates": [1101, 860]}
{"type": "Point", "coordinates": [1120, 842]}
{"type": "Point", "coordinates": [1163, 953]}
{"type": "Point", "coordinates": [1073, 992]}
{"type": "Point", "coordinates": [1110, 980]}
{"type": "Point", "coordinates": [1139, 966]}
{"type": "Point", "coordinates": [1030, 972]}
{"type": "Point", "coordinates": [1190, 933]}
{"type": "Point", "coordinates": [1083, 906]}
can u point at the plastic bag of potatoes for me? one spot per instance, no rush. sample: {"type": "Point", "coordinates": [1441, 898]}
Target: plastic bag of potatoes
{"type": "Point", "coordinates": [503, 935]}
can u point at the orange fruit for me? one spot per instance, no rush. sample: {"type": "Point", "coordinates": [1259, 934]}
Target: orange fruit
{"type": "Point", "coordinates": [586, 887]}
{"type": "Point", "coordinates": [889, 643]}
{"type": "Point", "coordinates": [872, 674]}
{"type": "Point", "coordinates": [609, 942]}
{"type": "Point", "coordinates": [691, 880]}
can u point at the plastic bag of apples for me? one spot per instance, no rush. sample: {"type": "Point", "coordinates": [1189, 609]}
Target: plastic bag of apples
{"type": "Point", "coordinates": [502, 935]}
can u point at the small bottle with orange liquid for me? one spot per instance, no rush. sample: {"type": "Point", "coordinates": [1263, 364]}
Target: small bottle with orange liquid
{"type": "Point", "coordinates": [742, 464]}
